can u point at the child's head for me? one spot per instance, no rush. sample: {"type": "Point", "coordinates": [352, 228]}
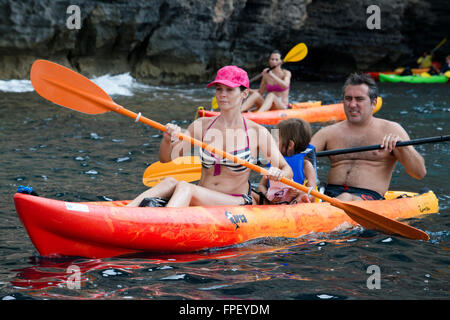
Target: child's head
{"type": "Point", "coordinates": [294, 136]}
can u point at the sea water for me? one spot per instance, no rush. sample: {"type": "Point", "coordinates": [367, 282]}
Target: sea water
{"type": "Point", "coordinates": [71, 156]}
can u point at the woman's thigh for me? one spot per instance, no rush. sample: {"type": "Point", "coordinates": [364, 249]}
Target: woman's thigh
{"type": "Point", "coordinates": [202, 196]}
{"type": "Point", "coordinates": [278, 103]}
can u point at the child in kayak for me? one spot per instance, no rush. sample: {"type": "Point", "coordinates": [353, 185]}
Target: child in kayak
{"type": "Point", "coordinates": [293, 142]}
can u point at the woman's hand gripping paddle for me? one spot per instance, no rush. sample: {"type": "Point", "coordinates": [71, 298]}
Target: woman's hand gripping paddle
{"type": "Point", "coordinates": [71, 90]}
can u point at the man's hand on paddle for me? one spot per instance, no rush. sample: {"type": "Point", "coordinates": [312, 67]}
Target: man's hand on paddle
{"type": "Point", "coordinates": [389, 142]}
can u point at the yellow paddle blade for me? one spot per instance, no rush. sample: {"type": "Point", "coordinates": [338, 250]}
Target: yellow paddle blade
{"type": "Point", "coordinates": [297, 53]}
{"type": "Point", "coordinates": [379, 104]}
{"type": "Point", "coordinates": [186, 168]}
{"type": "Point", "coordinates": [214, 104]}
{"type": "Point", "coordinates": [67, 88]}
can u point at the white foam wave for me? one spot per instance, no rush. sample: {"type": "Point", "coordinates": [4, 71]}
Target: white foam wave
{"type": "Point", "coordinates": [15, 85]}
{"type": "Point", "coordinates": [121, 85]}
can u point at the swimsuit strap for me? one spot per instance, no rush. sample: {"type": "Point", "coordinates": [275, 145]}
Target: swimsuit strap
{"type": "Point", "coordinates": [244, 154]}
{"type": "Point", "coordinates": [209, 127]}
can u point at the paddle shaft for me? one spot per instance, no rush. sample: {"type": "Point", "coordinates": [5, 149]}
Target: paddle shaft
{"type": "Point", "coordinates": [439, 45]}
{"type": "Point", "coordinates": [190, 166]}
{"type": "Point", "coordinates": [260, 75]}
{"type": "Point", "coordinates": [378, 146]}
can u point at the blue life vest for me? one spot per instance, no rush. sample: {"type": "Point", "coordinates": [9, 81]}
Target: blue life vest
{"type": "Point", "coordinates": [296, 163]}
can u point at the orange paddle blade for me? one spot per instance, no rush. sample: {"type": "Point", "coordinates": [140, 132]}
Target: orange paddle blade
{"type": "Point", "coordinates": [365, 217]}
{"type": "Point", "coordinates": [186, 168]}
{"type": "Point", "coordinates": [67, 88]}
{"type": "Point", "coordinates": [369, 220]}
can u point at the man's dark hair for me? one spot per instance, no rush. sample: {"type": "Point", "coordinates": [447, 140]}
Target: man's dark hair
{"type": "Point", "coordinates": [356, 79]}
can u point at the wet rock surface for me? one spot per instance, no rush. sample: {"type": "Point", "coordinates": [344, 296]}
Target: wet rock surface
{"type": "Point", "coordinates": [185, 40]}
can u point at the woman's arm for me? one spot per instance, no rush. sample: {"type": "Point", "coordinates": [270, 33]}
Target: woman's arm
{"type": "Point", "coordinates": [172, 147]}
{"type": "Point", "coordinates": [269, 150]}
{"type": "Point", "coordinates": [262, 86]}
{"type": "Point", "coordinates": [285, 82]}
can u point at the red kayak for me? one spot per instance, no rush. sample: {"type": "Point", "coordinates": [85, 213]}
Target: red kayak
{"type": "Point", "coordinates": [106, 229]}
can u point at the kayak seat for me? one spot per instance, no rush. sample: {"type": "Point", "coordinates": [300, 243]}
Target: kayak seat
{"type": "Point", "coordinates": [153, 202]}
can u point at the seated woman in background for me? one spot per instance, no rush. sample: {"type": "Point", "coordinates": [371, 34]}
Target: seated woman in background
{"type": "Point", "coordinates": [276, 83]}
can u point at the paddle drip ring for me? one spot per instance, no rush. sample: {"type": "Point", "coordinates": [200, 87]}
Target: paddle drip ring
{"type": "Point", "coordinates": [137, 118]}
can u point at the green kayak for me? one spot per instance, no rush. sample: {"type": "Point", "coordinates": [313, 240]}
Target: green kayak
{"type": "Point", "coordinates": [412, 79]}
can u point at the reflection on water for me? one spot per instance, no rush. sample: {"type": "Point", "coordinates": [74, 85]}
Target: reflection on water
{"type": "Point", "coordinates": [71, 156]}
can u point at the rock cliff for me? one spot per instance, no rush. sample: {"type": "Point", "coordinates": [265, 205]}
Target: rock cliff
{"type": "Point", "coordinates": [179, 41]}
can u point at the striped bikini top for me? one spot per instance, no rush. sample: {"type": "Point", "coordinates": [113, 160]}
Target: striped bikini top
{"type": "Point", "coordinates": [208, 159]}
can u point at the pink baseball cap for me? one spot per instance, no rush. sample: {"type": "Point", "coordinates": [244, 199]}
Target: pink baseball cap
{"type": "Point", "coordinates": [232, 77]}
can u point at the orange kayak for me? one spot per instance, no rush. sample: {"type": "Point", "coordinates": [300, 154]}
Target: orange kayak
{"type": "Point", "coordinates": [106, 229]}
{"type": "Point", "coordinates": [308, 111]}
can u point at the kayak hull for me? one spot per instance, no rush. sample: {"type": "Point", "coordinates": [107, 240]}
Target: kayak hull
{"type": "Point", "coordinates": [312, 112]}
{"type": "Point", "coordinates": [413, 79]}
{"type": "Point", "coordinates": [107, 229]}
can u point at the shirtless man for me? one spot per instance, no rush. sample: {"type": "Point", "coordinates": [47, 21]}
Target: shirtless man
{"type": "Point", "coordinates": [365, 175]}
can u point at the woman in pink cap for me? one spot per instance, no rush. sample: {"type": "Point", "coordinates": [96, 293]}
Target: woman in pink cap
{"type": "Point", "coordinates": [222, 182]}
{"type": "Point", "coordinates": [276, 82]}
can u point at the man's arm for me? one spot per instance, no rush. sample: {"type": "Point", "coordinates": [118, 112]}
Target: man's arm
{"type": "Point", "coordinates": [319, 139]}
{"type": "Point", "coordinates": [411, 160]}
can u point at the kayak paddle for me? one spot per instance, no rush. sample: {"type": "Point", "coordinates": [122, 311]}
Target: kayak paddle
{"type": "Point", "coordinates": [378, 146]}
{"type": "Point", "coordinates": [69, 89]}
{"type": "Point", "coordinates": [297, 53]}
{"type": "Point", "coordinates": [439, 45]}
{"type": "Point", "coordinates": [191, 170]}
{"type": "Point", "coordinates": [188, 168]}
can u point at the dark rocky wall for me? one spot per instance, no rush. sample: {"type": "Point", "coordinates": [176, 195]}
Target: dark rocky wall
{"type": "Point", "coordinates": [177, 41]}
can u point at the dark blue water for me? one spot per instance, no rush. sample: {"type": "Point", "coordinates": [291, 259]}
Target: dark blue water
{"type": "Point", "coordinates": [71, 156]}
